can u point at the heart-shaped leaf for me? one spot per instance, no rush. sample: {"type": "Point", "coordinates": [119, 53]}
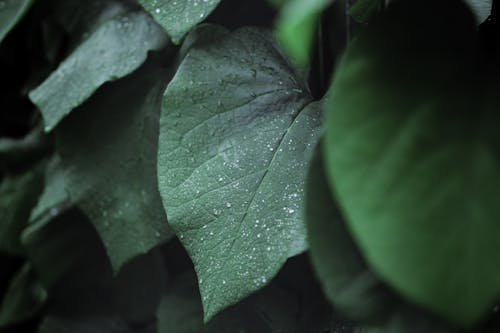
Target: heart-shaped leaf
{"type": "Point", "coordinates": [236, 132]}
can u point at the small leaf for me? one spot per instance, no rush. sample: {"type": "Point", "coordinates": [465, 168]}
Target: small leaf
{"type": "Point", "coordinates": [178, 17]}
{"type": "Point", "coordinates": [114, 50]}
{"type": "Point", "coordinates": [296, 27]}
{"type": "Point", "coordinates": [111, 174]}
{"type": "Point", "coordinates": [236, 133]}
{"type": "Point", "coordinates": [24, 297]}
{"type": "Point", "coordinates": [413, 157]}
{"type": "Point", "coordinates": [11, 12]}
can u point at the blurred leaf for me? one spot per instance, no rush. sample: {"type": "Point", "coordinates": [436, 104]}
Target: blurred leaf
{"type": "Point", "coordinates": [236, 133]}
{"type": "Point", "coordinates": [111, 174]}
{"type": "Point", "coordinates": [24, 298]}
{"type": "Point", "coordinates": [11, 12]}
{"type": "Point", "coordinates": [178, 17]}
{"type": "Point", "coordinates": [114, 50]}
{"type": "Point", "coordinates": [347, 280]}
{"type": "Point", "coordinates": [413, 158]}
{"type": "Point", "coordinates": [18, 195]}
{"type": "Point", "coordinates": [296, 27]}
{"type": "Point", "coordinates": [480, 8]}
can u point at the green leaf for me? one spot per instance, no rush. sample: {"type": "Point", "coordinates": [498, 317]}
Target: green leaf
{"type": "Point", "coordinates": [111, 174]}
{"type": "Point", "coordinates": [114, 50]}
{"type": "Point", "coordinates": [54, 193]}
{"type": "Point", "coordinates": [24, 297]}
{"type": "Point", "coordinates": [178, 17]}
{"type": "Point", "coordinates": [18, 195]}
{"type": "Point", "coordinates": [296, 27]}
{"type": "Point", "coordinates": [236, 132]}
{"type": "Point", "coordinates": [480, 8]}
{"type": "Point", "coordinates": [413, 156]}
{"type": "Point", "coordinates": [347, 280]}
{"type": "Point", "coordinates": [72, 264]}
{"type": "Point", "coordinates": [11, 12]}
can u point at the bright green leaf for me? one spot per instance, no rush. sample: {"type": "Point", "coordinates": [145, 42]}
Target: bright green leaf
{"type": "Point", "coordinates": [11, 11]}
{"type": "Point", "coordinates": [24, 297]}
{"type": "Point", "coordinates": [178, 17]}
{"type": "Point", "coordinates": [412, 148]}
{"type": "Point", "coordinates": [108, 151]}
{"type": "Point", "coordinates": [236, 132]}
{"type": "Point", "coordinates": [18, 195]}
{"type": "Point", "coordinates": [114, 50]}
{"type": "Point", "coordinates": [296, 27]}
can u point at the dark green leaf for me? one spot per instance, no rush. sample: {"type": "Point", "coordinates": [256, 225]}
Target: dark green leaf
{"type": "Point", "coordinates": [296, 27]}
{"type": "Point", "coordinates": [178, 17]}
{"type": "Point", "coordinates": [54, 193]}
{"type": "Point", "coordinates": [11, 11]}
{"type": "Point", "coordinates": [114, 50]}
{"type": "Point", "coordinates": [347, 280]}
{"type": "Point", "coordinates": [18, 195]}
{"type": "Point", "coordinates": [71, 262]}
{"type": "Point", "coordinates": [111, 173]}
{"type": "Point", "coordinates": [412, 150]}
{"type": "Point", "coordinates": [94, 324]}
{"type": "Point", "coordinates": [25, 296]}
{"type": "Point", "coordinates": [236, 133]}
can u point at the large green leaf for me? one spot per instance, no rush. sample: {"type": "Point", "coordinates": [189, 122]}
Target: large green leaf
{"type": "Point", "coordinates": [114, 50]}
{"type": "Point", "coordinates": [296, 27]}
{"type": "Point", "coordinates": [347, 280]}
{"type": "Point", "coordinates": [412, 150]}
{"type": "Point", "coordinates": [11, 11]}
{"type": "Point", "coordinates": [18, 195]}
{"type": "Point", "coordinates": [236, 133]}
{"type": "Point", "coordinates": [111, 173]}
{"type": "Point", "coordinates": [178, 17]}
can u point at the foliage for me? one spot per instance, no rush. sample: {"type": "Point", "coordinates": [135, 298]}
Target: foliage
{"type": "Point", "coordinates": [166, 168]}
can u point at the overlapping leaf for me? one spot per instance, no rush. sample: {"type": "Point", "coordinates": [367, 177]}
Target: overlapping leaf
{"type": "Point", "coordinates": [108, 151]}
{"type": "Point", "coordinates": [236, 133]}
{"type": "Point", "coordinates": [412, 150]}
{"type": "Point", "coordinates": [178, 17]}
{"type": "Point", "coordinates": [11, 11]}
{"type": "Point", "coordinates": [296, 27]}
{"type": "Point", "coordinates": [114, 50]}
{"type": "Point", "coordinates": [351, 286]}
